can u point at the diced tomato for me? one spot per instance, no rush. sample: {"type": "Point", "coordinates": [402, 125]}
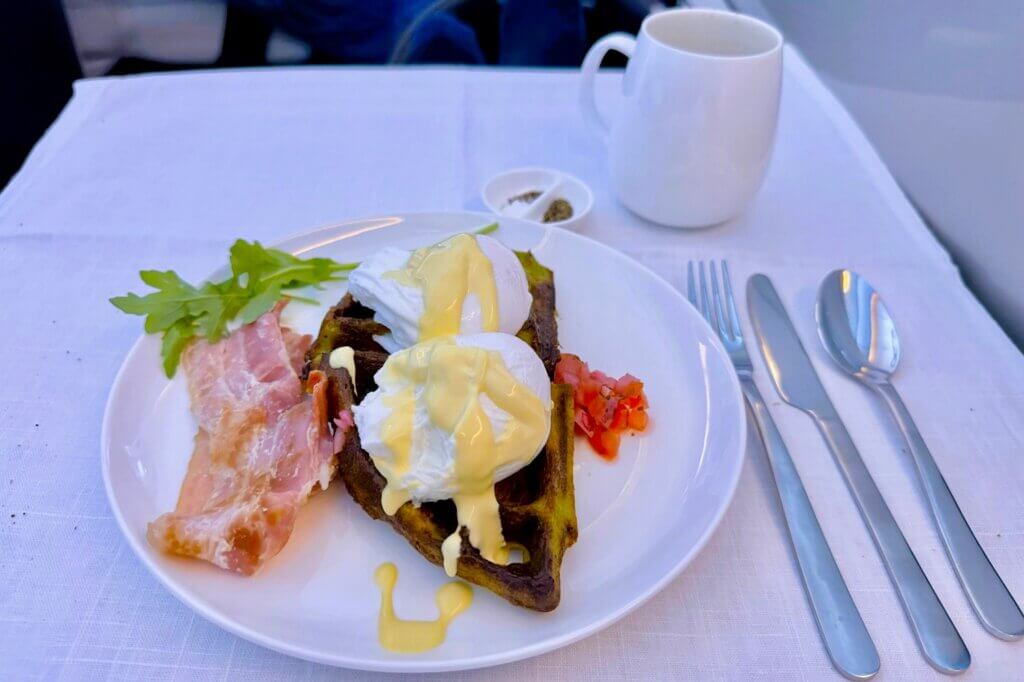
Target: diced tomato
{"type": "Point", "coordinates": [605, 407]}
{"type": "Point", "coordinates": [638, 420]}
{"type": "Point", "coordinates": [621, 419]}
{"type": "Point", "coordinates": [570, 370]}
{"type": "Point", "coordinates": [629, 386]}
{"type": "Point", "coordinates": [596, 407]}
{"type": "Point", "coordinates": [605, 443]}
{"type": "Point", "coordinates": [584, 423]}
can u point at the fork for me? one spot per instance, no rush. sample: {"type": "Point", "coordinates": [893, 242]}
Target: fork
{"type": "Point", "coordinates": [842, 629]}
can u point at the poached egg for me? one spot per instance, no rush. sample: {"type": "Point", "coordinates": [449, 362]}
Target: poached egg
{"type": "Point", "coordinates": [451, 417]}
{"type": "Point", "coordinates": [465, 284]}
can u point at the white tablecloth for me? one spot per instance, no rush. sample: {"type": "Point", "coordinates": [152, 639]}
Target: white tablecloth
{"type": "Point", "coordinates": [166, 170]}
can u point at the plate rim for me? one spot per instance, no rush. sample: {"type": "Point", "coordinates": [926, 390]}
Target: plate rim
{"type": "Point", "coordinates": [413, 665]}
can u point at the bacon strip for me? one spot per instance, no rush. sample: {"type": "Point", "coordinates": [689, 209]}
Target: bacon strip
{"type": "Point", "coordinates": [263, 444]}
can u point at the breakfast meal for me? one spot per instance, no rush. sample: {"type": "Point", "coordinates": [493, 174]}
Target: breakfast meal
{"type": "Point", "coordinates": [435, 389]}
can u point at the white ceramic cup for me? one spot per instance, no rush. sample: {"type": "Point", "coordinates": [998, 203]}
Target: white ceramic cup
{"type": "Point", "coordinates": [700, 99]}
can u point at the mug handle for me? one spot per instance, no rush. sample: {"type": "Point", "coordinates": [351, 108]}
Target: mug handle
{"type": "Point", "coordinates": [620, 42]}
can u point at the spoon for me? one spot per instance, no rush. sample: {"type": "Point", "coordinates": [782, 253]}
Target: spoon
{"type": "Point", "coordinates": [860, 335]}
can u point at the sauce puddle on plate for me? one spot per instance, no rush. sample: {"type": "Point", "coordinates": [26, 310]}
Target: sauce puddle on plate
{"type": "Point", "coordinates": [414, 636]}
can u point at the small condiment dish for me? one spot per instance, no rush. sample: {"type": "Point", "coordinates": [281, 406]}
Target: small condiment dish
{"type": "Point", "coordinates": [529, 193]}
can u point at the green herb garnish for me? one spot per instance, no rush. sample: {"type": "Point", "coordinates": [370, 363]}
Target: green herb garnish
{"type": "Point", "coordinates": [259, 278]}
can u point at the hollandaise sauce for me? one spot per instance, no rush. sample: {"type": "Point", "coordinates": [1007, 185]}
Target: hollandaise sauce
{"type": "Point", "coordinates": [344, 357]}
{"type": "Point", "coordinates": [413, 636]}
{"type": "Point", "coordinates": [450, 381]}
{"type": "Point", "coordinates": [396, 433]}
{"type": "Point", "coordinates": [447, 273]}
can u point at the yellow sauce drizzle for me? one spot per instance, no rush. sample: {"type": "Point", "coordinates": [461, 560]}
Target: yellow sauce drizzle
{"type": "Point", "coordinates": [344, 357]}
{"type": "Point", "coordinates": [414, 636]}
{"type": "Point", "coordinates": [396, 433]}
{"type": "Point", "coordinates": [446, 273]}
{"type": "Point", "coordinates": [453, 379]}
{"type": "Point", "coordinates": [451, 548]}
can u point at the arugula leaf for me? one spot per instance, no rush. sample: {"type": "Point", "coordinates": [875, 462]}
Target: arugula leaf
{"type": "Point", "coordinates": [259, 304]}
{"type": "Point", "coordinates": [174, 342]}
{"type": "Point", "coordinates": [259, 278]}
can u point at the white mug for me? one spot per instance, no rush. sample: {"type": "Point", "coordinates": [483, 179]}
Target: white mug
{"type": "Point", "coordinates": [700, 100]}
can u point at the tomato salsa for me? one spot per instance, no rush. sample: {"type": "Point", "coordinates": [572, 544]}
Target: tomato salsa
{"type": "Point", "coordinates": [605, 407]}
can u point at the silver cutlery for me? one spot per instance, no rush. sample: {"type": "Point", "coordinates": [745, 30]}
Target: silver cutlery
{"type": "Point", "coordinates": [846, 639]}
{"type": "Point", "coordinates": [797, 382]}
{"type": "Point", "coordinates": [860, 335]}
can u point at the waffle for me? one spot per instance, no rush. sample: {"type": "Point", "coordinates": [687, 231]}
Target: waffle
{"type": "Point", "coordinates": [537, 504]}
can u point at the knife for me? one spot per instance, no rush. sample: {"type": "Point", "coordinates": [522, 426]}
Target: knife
{"type": "Point", "coordinates": [798, 384]}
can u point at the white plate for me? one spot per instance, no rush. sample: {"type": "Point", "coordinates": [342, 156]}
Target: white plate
{"type": "Point", "coordinates": [642, 518]}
